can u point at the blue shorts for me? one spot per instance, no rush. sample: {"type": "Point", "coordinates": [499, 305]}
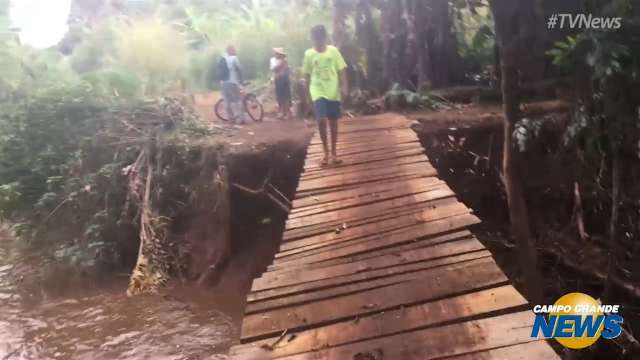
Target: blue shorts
{"type": "Point", "coordinates": [327, 109]}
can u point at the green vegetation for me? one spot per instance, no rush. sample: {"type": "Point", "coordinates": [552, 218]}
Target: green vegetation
{"type": "Point", "coordinates": [606, 121]}
{"type": "Point", "coordinates": [83, 125]}
{"type": "Point", "coordinates": [76, 118]}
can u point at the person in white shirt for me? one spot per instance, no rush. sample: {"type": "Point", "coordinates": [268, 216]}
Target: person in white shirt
{"type": "Point", "coordinates": [281, 77]}
{"type": "Point", "coordinates": [231, 86]}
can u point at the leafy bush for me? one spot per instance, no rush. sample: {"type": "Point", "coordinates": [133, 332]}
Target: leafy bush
{"type": "Point", "coordinates": [254, 31]}
{"type": "Point", "coordinates": [399, 98]}
{"type": "Point", "coordinates": [66, 158]}
{"type": "Point", "coordinates": [154, 50]}
{"type": "Point", "coordinates": [476, 39]}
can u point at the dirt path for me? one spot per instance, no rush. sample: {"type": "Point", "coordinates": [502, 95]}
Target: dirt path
{"type": "Point", "coordinates": [478, 115]}
{"type": "Point", "coordinates": [254, 136]}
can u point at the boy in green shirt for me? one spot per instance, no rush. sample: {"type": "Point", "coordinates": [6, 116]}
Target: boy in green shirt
{"type": "Point", "coordinates": [324, 68]}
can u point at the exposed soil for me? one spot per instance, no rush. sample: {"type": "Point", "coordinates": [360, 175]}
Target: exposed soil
{"type": "Point", "coordinates": [253, 136]}
{"type": "Point", "coordinates": [465, 145]}
{"type": "Point", "coordinates": [271, 151]}
{"type": "Point", "coordinates": [480, 115]}
{"type": "Point", "coordinates": [184, 321]}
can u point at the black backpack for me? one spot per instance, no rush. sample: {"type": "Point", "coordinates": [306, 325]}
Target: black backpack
{"type": "Point", "coordinates": [222, 70]}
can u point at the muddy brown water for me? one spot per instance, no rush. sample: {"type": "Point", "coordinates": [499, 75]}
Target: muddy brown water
{"type": "Point", "coordinates": [55, 318]}
{"type": "Point", "coordinates": [49, 312]}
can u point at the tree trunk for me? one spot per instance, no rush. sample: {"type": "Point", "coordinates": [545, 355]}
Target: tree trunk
{"type": "Point", "coordinates": [507, 15]}
{"type": "Point", "coordinates": [444, 56]}
{"type": "Point", "coordinates": [607, 294]}
{"type": "Point", "coordinates": [422, 44]}
{"type": "Point", "coordinates": [620, 116]}
{"type": "Point", "coordinates": [368, 38]}
{"type": "Point", "coordinates": [393, 41]}
{"type": "Point", "coordinates": [339, 17]}
{"type": "Point", "coordinates": [385, 34]}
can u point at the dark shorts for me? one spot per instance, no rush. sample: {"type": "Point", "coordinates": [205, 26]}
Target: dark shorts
{"type": "Point", "coordinates": [283, 91]}
{"type": "Point", "coordinates": [327, 109]}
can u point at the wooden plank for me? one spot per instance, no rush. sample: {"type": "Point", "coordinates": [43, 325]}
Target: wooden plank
{"type": "Point", "coordinates": [360, 155]}
{"type": "Point", "coordinates": [432, 228]}
{"type": "Point", "coordinates": [301, 204]}
{"type": "Point", "coordinates": [535, 350]}
{"type": "Point", "coordinates": [371, 149]}
{"type": "Point", "coordinates": [315, 166]}
{"type": "Point", "coordinates": [458, 308]}
{"type": "Point", "coordinates": [406, 176]}
{"type": "Point", "coordinates": [402, 236]}
{"type": "Point", "coordinates": [392, 131]}
{"type": "Point", "coordinates": [352, 232]}
{"type": "Point", "coordinates": [386, 117]}
{"type": "Point", "coordinates": [366, 143]}
{"type": "Point", "coordinates": [363, 136]}
{"type": "Point", "coordinates": [371, 164]}
{"type": "Point", "coordinates": [336, 182]}
{"type": "Point", "coordinates": [386, 277]}
{"type": "Point", "coordinates": [423, 218]}
{"type": "Point", "coordinates": [405, 266]}
{"type": "Point", "coordinates": [436, 196]}
{"type": "Point", "coordinates": [439, 342]}
{"type": "Point", "coordinates": [387, 141]}
{"type": "Point", "coordinates": [419, 243]}
{"type": "Point", "coordinates": [400, 258]}
{"type": "Point", "coordinates": [377, 146]}
{"type": "Point", "coordinates": [396, 125]}
{"type": "Point", "coordinates": [355, 221]}
{"type": "Point", "coordinates": [348, 265]}
{"type": "Point", "coordinates": [372, 273]}
{"type": "Point", "coordinates": [443, 282]}
{"type": "Point", "coordinates": [371, 197]}
{"type": "Point", "coordinates": [327, 229]}
{"type": "Point", "coordinates": [349, 130]}
{"type": "Point", "coordinates": [348, 127]}
{"type": "Point", "coordinates": [372, 123]}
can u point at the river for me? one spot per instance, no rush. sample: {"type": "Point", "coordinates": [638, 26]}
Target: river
{"type": "Point", "coordinates": [53, 317]}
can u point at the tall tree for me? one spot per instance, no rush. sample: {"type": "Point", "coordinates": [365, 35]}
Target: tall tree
{"type": "Point", "coordinates": [339, 22]}
{"type": "Point", "coordinates": [421, 29]}
{"type": "Point", "coordinates": [368, 38]}
{"type": "Point", "coordinates": [394, 34]}
{"type": "Point", "coordinates": [511, 21]}
{"type": "Point", "coordinates": [444, 69]}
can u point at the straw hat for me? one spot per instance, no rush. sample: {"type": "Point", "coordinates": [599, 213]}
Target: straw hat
{"type": "Point", "coordinates": [280, 51]}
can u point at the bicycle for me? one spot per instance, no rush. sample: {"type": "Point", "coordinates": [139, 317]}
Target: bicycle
{"type": "Point", "coordinates": [250, 104]}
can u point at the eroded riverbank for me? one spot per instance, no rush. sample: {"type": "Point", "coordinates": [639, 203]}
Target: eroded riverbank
{"type": "Point", "coordinates": [51, 311]}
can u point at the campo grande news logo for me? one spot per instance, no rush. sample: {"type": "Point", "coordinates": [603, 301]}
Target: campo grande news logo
{"type": "Point", "coordinates": [577, 321]}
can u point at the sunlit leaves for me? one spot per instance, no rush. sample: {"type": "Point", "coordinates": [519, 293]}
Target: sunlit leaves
{"type": "Point", "coordinates": [526, 130]}
{"type": "Point", "coordinates": [154, 49]}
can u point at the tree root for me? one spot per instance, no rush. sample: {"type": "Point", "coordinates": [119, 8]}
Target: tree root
{"type": "Point", "coordinates": [630, 288]}
{"type": "Point", "coordinates": [276, 196]}
{"type": "Point", "coordinates": [578, 213]}
{"type": "Point", "coordinates": [626, 340]}
{"type": "Point", "coordinates": [149, 272]}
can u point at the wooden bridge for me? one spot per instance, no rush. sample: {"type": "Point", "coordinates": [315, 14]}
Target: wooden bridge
{"type": "Point", "coordinates": [377, 262]}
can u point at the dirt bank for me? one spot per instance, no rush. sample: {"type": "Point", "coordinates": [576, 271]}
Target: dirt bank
{"type": "Point", "coordinates": [465, 146]}
{"type": "Point", "coordinates": [90, 312]}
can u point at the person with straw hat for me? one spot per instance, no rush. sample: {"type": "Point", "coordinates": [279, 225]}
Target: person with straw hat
{"type": "Point", "coordinates": [280, 69]}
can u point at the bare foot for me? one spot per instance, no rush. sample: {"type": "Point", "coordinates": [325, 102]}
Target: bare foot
{"type": "Point", "coordinates": [325, 161]}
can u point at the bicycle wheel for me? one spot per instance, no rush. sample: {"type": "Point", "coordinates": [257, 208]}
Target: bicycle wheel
{"type": "Point", "coordinates": [253, 107]}
{"type": "Point", "coordinates": [220, 111]}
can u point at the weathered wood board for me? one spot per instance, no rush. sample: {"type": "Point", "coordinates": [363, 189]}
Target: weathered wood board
{"type": "Point", "coordinates": [377, 262]}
